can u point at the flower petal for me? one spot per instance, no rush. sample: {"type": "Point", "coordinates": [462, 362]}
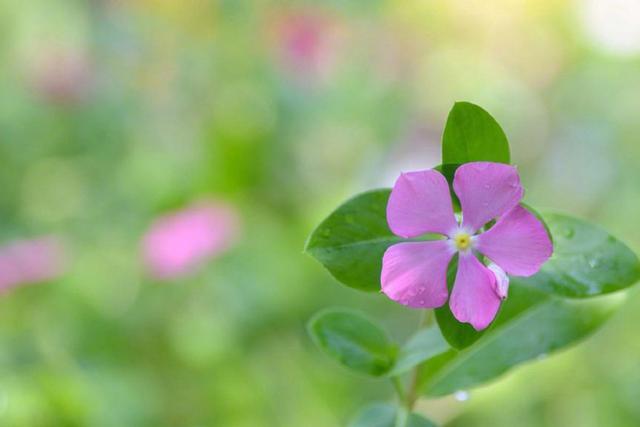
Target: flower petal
{"type": "Point", "coordinates": [420, 203]}
{"type": "Point", "coordinates": [473, 298]}
{"type": "Point", "coordinates": [518, 243]}
{"type": "Point", "coordinates": [501, 285]}
{"type": "Point", "coordinates": [415, 273]}
{"type": "Point", "coordinates": [486, 190]}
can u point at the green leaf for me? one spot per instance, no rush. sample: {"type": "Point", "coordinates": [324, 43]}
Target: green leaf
{"type": "Point", "coordinates": [351, 241]}
{"type": "Point", "coordinates": [586, 261]}
{"type": "Point", "coordinates": [384, 415]}
{"type": "Point", "coordinates": [353, 340]}
{"type": "Point", "coordinates": [472, 135]}
{"type": "Point", "coordinates": [530, 324]}
{"type": "Point", "coordinates": [424, 345]}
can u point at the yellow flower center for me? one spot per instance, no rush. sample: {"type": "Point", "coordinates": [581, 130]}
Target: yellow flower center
{"type": "Point", "coordinates": [463, 241]}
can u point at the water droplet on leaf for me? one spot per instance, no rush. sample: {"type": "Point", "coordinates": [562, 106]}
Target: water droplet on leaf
{"type": "Point", "coordinates": [461, 396]}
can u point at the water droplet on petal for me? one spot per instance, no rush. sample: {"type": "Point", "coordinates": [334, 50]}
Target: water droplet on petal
{"type": "Point", "coordinates": [461, 396]}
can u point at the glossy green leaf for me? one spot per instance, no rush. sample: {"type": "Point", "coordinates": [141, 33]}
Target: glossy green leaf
{"type": "Point", "coordinates": [424, 345]}
{"type": "Point", "coordinates": [384, 415]}
{"type": "Point", "coordinates": [586, 261]}
{"type": "Point", "coordinates": [353, 340]}
{"type": "Point", "coordinates": [530, 324]}
{"type": "Point", "coordinates": [351, 241]}
{"type": "Point", "coordinates": [472, 135]}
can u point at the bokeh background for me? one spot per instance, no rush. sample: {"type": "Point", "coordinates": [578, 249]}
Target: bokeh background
{"type": "Point", "coordinates": [162, 162]}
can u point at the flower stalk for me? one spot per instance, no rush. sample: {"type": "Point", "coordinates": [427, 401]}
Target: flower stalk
{"type": "Point", "coordinates": [407, 398]}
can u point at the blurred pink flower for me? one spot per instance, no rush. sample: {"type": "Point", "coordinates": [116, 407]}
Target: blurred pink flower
{"type": "Point", "coordinates": [307, 42]}
{"type": "Point", "coordinates": [62, 76]}
{"type": "Point", "coordinates": [178, 243]}
{"type": "Point", "coordinates": [31, 261]}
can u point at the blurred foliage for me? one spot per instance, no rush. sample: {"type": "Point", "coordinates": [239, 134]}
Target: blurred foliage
{"type": "Point", "coordinates": [114, 112]}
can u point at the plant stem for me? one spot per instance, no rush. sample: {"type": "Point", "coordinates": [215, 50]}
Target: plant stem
{"type": "Point", "coordinates": [403, 417]}
{"type": "Point", "coordinates": [397, 384]}
{"type": "Point", "coordinates": [409, 397]}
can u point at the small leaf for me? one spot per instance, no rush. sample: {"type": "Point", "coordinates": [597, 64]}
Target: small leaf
{"type": "Point", "coordinates": [350, 242]}
{"type": "Point", "coordinates": [384, 415]}
{"type": "Point", "coordinates": [424, 345]}
{"type": "Point", "coordinates": [530, 324]}
{"type": "Point", "coordinates": [353, 340]}
{"type": "Point", "coordinates": [586, 261]}
{"type": "Point", "coordinates": [472, 135]}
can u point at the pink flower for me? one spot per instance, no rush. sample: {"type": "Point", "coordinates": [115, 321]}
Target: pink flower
{"type": "Point", "coordinates": [62, 76]}
{"type": "Point", "coordinates": [307, 42]}
{"type": "Point", "coordinates": [415, 273]}
{"type": "Point", "coordinates": [178, 243]}
{"type": "Point", "coordinates": [31, 261]}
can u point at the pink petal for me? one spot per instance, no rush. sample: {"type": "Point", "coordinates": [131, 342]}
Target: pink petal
{"type": "Point", "coordinates": [415, 273]}
{"type": "Point", "coordinates": [518, 243]}
{"type": "Point", "coordinates": [32, 261]}
{"type": "Point", "coordinates": [501, 285]}
{"type": "Point", "coordinates": [178, 243]}
{"type": "Point", "coordinates": [473, 298]}
{"type": "Point", "coordinates": [420, 203]}
{"type": "Point", "coordinates": [486, 190]}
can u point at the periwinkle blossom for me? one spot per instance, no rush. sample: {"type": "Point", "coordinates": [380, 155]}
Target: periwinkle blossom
{"type": "Point", "coordinates": [29, 261]}
{"type": "Point", "coordinates": [178, 243]}
{"type": "Point", "coordinates": [414, 273]}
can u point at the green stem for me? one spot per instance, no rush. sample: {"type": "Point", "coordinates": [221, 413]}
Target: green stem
{"type": "Point", "coordinates": [409, 397]}
{"type": "Point", "coordinates": [399, 387]}
{"type": "Point", "coordinates": [402, 418]}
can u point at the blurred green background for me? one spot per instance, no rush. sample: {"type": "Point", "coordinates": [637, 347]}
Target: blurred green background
{"type": "Point", "coordinates": [114, 113]}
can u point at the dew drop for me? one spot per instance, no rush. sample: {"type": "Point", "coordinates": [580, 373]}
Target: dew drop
{"type": "Point", "coordinates": [542, 356]}
{"type": "Point", "coordinates": [568, 232]}
{"type": "Point", "coordinates": [461, 396]}
{"type": "Point", "coordinates": [594, 262]}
